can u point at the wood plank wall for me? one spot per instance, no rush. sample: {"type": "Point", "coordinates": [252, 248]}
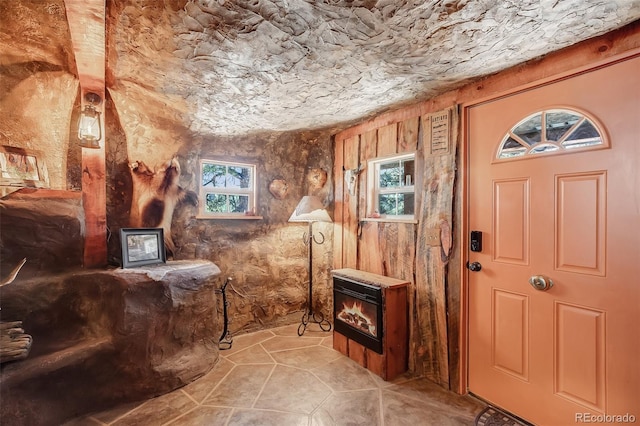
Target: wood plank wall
{"type": "Point", "coordinates": [390, 248]}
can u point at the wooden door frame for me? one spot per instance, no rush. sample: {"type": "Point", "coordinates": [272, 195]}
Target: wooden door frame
{"type": "Point", "coordinates": [464, 176]}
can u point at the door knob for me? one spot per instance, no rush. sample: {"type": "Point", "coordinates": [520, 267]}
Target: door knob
{"type": "Point", "coordinates": [540, 283]}
{"type": "Point", "coordinates": [474, 267]}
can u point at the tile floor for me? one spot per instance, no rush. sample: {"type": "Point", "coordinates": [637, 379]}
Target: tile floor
{"type": "Point", "coordinates": [274, 377]}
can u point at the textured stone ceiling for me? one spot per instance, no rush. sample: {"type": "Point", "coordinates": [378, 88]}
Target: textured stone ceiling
{"type": "Point", "coordinates": [253, 65]}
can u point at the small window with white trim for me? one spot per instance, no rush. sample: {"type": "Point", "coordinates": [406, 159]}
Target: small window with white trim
{"type": "Point", "coordinates": [227, 190]}
{"type": "Point", "coordinates": [391, 187]}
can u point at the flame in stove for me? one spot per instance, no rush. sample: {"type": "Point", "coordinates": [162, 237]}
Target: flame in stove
{"type": "Point", "coordinates": [355, 316]}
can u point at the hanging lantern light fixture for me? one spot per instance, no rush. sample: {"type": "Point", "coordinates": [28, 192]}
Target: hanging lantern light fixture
{"type": "Point", "coordinates": [89, 127]}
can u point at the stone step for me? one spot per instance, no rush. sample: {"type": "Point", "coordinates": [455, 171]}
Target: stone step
{"type": "Point", "coordinates": [16, 372]}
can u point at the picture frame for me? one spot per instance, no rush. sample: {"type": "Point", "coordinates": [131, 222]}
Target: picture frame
{"type": "Point", "coordinates": [142, 246]}
{"type": "Point", "coordinates": [22, 167]}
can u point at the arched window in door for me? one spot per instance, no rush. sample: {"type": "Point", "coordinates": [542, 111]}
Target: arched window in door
{"type": "Point", "coordinates": [564, 130]}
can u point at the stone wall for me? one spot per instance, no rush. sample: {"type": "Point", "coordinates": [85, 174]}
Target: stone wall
{"type": "Point", "coordinates": [38, 91]}
{"type": "Point", "coordinates": [44, 226]}
{"type": "Point", "coordinates": [267, 257]}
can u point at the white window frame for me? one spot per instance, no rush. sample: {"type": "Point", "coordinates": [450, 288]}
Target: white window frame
{"type": "Point", "coordinates": [374, 189]}
{"type": "Point", "coordinates": [250, 192]}
{"type": "Point", "coordinates": [558, 146]}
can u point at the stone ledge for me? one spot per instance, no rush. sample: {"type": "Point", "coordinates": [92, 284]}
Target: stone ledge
{"type": "Point", "coordinates": [104, 337]}
{"type": "Point", "coordinates": [16, 372]}
{"type": "Point", "coordinates": [158, 272]}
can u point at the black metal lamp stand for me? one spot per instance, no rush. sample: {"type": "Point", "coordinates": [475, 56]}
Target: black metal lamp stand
{"type": "Point", "coordinates": [309, 316]}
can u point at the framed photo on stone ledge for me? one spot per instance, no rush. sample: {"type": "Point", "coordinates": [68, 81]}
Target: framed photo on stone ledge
{"type": "Point", "coordinates": [142, 246]}
{"type": "Point", "coordinates": [22, 167]}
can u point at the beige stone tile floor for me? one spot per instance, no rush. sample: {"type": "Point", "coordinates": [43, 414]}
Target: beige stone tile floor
{"type": "Point", "coordinates": [274, 377]}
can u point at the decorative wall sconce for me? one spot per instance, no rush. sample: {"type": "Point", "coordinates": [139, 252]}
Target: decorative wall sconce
{"type": "Point", "coordinates": [89, 127]}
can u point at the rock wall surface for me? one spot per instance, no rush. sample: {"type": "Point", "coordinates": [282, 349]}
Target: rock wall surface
{"type": "Point", "coordinates": [38, 86]}
{"type": "Point", "coordinates": [45, 227]}
{"type": "Point", "coordinates": [266, 258]}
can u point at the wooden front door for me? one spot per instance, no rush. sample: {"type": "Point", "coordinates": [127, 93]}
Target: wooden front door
{"type": "Point", "coordinates": [566, 214]}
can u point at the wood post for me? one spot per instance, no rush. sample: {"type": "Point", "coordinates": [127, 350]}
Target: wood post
{"type": "Point", "coordinates": [94, 201]}
{"type": "Point", "coordinates": [434, 244]}
{"type": "Point", "coordinates": [87, 27]}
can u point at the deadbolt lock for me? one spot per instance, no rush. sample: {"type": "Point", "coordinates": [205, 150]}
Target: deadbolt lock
{"type": "Point", "coordinates": [474, 266]}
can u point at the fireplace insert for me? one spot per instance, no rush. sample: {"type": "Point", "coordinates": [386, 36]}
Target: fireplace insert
{"type": "Point", "coordinates": [357, 312]}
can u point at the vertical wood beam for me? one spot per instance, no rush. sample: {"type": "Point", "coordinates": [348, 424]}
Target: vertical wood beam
{"type": "Point", "coordinates": [432, 253]}
{"type": "Point", "coordinates": [369, 251]}
{"type": "Point", "coordinates": [338, 212]}
{"type": "Point", "coordinates": [368, 150]}
{"type": "Point", "coordinates": [408, 134]}
{"type": "Point", "coordinates": [94, 202]}
{"type": "Point", "coordinates": [87, 27]}
{"type": "Point", "coordinates": [351, 219]}
{"type": "Point", "coordinates": [388, 140]}
{"type": "Point", "coordinates": [455, 314]}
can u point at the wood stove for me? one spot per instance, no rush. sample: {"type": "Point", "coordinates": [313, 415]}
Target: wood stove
{"type": "Point", "coordinates": [358, 312]}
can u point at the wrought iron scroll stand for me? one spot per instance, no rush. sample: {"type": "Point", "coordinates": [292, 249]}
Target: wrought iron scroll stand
{"type": "Point", "coordinates": [226, 339]}
{"type": "Point", "coordinates": [309, 316]}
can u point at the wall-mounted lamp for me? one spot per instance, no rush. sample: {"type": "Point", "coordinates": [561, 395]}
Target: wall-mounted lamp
{"type": "Point", "coordinates": [89, 128]}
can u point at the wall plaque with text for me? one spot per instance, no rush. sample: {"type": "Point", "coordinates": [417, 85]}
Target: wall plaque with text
{"type": "Point", "coordinates": [440, 140]}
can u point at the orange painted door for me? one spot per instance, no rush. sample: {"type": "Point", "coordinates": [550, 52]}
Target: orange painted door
{"type": "Point", "coordinates": [571, 352]}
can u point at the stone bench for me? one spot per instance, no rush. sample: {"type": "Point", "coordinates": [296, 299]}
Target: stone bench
{"type": "Point", "coordinates": [104, 337]}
